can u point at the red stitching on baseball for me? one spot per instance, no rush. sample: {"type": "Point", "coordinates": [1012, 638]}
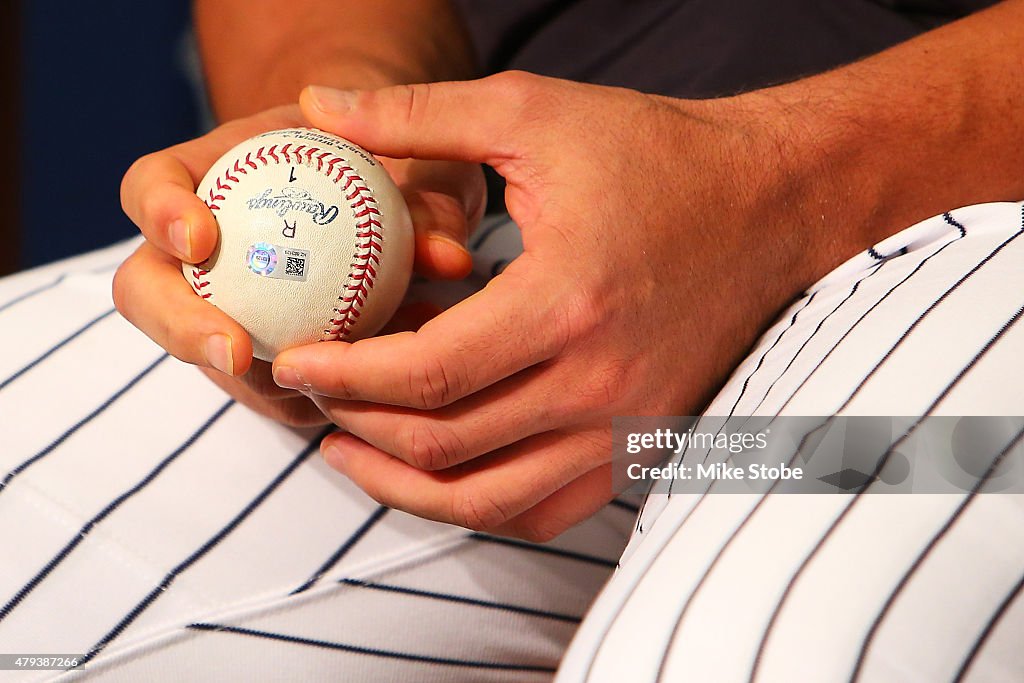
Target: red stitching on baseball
{"type": "Point", "coordinates": [198, 283]}
{"type": "Point", "coordinates": [363, 204]}
{"type": "Point", "coordinates": [361, 274]}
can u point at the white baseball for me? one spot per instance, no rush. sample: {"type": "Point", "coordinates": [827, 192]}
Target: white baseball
{"type": "Point", "coordinates": [316, 243]}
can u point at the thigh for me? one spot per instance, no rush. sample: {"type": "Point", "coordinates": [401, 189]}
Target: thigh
{"type": "Point", "coordinates": [845, 587]}
{"type": "Point", "coordinates": [166, 532]}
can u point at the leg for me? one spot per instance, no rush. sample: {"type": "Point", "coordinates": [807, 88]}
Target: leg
{"type": "Point", "coordinates": [168, 533]}
{"type": "Point", "coordinates": [840, 587]}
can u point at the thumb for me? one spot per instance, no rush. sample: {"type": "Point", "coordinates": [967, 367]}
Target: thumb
{"type": "Point", "coordinates": [475, 121]}
{"type": "Point", "coordinates": [422, 129]}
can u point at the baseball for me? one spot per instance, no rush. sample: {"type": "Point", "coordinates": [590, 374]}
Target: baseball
{"type": "Point", "coordinates": [316, 243]}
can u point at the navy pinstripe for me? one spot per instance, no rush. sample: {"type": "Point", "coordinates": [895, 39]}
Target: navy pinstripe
{"type": "Point", "coordinates": [107, 510]}
{"type": "Point", "coordinates": [349, 543]}
{"type": "Point", "coordinates": [375, 652]}
{"type": "Point", "coordinates": [206, 547]}
{"type": "Point", "coordinates": [81, 423]}
{"type": "Point", "coordinates": [57, 347]}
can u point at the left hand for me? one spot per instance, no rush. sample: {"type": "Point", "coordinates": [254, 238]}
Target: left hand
{"type": "Point", "coordinates": [445, 201]}
{"type": "Point", "coordinates": [660, 237]}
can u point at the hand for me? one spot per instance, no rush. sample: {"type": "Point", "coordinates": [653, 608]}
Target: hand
{"type": "Point", "coordinates": [158, 193]}
{"type": "Point", "coordinates": [660, 237]}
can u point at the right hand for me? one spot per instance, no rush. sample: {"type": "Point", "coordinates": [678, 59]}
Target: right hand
{"type": "Point", "coordinates": [445, 200]}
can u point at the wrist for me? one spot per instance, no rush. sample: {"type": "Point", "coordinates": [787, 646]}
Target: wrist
{"type": "Point", "coordinates": [789, 190]}
{"type": "Point", "coordinates": [825, 178]}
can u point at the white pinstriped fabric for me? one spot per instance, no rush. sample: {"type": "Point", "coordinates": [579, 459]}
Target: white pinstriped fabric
{"type": "Point", "coordinates": [845, 587]}
{"type": "Point", "coordinates": [166, 532]}
{"type": "Point", "coordinates": [171, 534]}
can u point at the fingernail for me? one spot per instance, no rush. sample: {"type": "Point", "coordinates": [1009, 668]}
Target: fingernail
{"type": "Point", "coordinates": [446, 239]}
{"type": "Point", "coordinates": [287, 378]}
{"type": "Point", "coordinates": [218, 353]}
{"type": "Point", "coordinates": [181, 237]}
{"type": "Point", "coordinates": [330, 100]}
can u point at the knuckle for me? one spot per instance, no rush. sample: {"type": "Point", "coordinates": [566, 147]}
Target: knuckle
{"type": "Point", "coordinates": [340, 388]}
{"type": "Point", "coordinates": [139, 175]}
{"type": "Point", "coordinates": [524, 94]}
{"type": "Point", "coordinates": [137, 169]}
{"type": "Point", "coordinates": [124, 285]}
{"type": "Point", "coordinates": [479, 511]}
{"type": "Point", "coordinates": [606, 384]}
{"type": "Point", "coordinates": [517, 86]}
{"type": "Point", "coordinates": [434, 385]}
{"type": "Point", "coordinates": [152, 209]}
{"type": "Point", "coordinates": [335, 382]}
{"type": "Point", "coordinates": [178, 343]}
{"type": "Point", "coordinates": [415, 102]}
{"type": "Point", "coordinates": [585, 313]}
{"type": "Point", "coordinates": [432, 447]}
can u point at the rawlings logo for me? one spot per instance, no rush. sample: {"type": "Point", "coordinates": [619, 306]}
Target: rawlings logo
{"type": "Point", "coordinates": [292, 199]}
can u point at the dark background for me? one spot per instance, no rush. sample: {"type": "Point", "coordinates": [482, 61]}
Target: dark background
{"type": "Point", "coordinates": [88, 88]}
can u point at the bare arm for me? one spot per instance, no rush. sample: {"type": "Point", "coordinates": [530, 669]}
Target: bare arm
{"type": "Point", "coordinates": [929, 125]}
{"type": "Point", "coordinates": [261, 53]}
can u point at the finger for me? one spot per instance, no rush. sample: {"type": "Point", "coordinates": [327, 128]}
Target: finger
{"type": "Point", "coordinates": [482, 494]}
{"type": "Point", "coordinates": [293, 409]}
{"type": "Point", "coordinates": [486, 421]}
{"type": "Point", "coordinates": [158, 195]}
{"type": "Point", "coordinates": [446, 200]}
{"type": "Point", "coordinates": [151, 293]}
{"type": "Point", "coordinates": [501, 330]}
{"type": "Point", "coordinates": [407, 318]}
{"type": "Point", "coordinates": [158, 191]}
{"type": "Point", "coordinates": [562, 510]}
{"type": "Point", "coordinates": [459, 121]}
{"type": "Point", "coordinates": [441, 230]}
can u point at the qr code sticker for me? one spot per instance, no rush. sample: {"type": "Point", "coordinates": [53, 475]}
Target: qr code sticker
{"type": "Point", "coordinates": [295, 262]}
{"type": "Point", "coordinates": [295, 266]}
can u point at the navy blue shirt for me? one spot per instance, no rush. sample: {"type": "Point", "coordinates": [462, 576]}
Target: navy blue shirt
{"type": "Point", "coordinates": [694, 48]}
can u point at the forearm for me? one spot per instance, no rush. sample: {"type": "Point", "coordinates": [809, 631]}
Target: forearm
{"type": "Point", "coordinates": [924, 127]}
{"type": "Point", "coordinates": [261, 53]}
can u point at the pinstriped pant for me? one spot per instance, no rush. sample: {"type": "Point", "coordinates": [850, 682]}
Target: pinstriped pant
{"type": "Point", "coordinates": [166, 533]}
{"type": "Point", "coordinates": [903, 587]}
